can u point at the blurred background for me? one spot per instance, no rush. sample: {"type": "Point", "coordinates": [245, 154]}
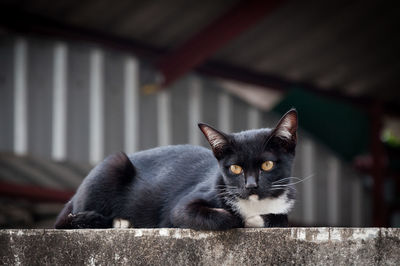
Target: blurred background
{"type": "Point", "coordinates": [82, 79]}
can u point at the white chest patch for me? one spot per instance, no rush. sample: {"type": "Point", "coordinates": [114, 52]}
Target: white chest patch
{"type": "Point", "coordinates": [251, 209]}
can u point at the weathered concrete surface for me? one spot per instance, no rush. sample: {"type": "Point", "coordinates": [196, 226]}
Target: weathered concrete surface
{"type": "Point", "coordinates": [316, 246]}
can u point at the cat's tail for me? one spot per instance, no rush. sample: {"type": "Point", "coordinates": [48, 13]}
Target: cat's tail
{"type": "Point", "coordinates": [61, 221]}
{"type": "Point", "coordinates": [95, 200]}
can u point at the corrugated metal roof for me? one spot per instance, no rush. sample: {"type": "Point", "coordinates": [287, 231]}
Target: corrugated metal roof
{"type": "Point", "coordinates": [351, 46]}
{"type": "Point", "coordinates": [33, 189]}
{"type": "Point", "coordinates": [33, 170]}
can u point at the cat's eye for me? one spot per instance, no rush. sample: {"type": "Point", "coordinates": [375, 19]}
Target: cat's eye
{"type": "Point", "coordinates": [236, 169]}
{"type": "Point", "coordinates": [267, 165]}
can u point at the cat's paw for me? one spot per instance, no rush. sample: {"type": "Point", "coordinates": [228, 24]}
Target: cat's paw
{"type": "Point", "coordinates": [254, 221]}
{"type": "Point", "coordinates": [226, 219]}
{"type": "Point", "coordinates": [121, 223]}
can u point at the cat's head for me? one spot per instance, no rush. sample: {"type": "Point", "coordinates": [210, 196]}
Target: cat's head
{"type": "Point", "coordinates": [256, 162]}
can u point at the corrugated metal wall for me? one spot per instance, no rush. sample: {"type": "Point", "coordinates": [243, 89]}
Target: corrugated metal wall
{"type": "Point", "coordinates": [79, 102]}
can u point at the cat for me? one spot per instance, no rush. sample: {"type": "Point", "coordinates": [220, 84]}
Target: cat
{"type": "Point", "coordinates": [243, 181]}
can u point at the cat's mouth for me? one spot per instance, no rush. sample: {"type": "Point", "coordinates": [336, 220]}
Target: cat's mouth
{"type": "Point", "coordinates": [253, 195]}
{"type": "Point", "coordinates": [249, 195]}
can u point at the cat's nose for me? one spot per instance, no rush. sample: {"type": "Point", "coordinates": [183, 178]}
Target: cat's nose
{"type": "Point", "coordinates": [251, 182]}
{"type": "Point", "coordinates": [252, 185]}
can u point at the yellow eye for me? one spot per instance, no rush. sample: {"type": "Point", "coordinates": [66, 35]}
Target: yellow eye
{"type": "Point", "coordinates": [267, 165]}
{"type": "Point", "coordinates": [236, 169]}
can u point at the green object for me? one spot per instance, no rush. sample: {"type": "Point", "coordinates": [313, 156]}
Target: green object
{"type": "Point", "coordinates": [390, 139]}
{"type": "Point", "coordinates": [341, 126]}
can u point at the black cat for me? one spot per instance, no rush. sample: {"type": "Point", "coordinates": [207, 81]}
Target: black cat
{"type": "Point", "coordinates": [245, 184]}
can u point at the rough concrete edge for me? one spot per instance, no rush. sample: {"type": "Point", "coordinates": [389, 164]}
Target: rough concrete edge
{"type": "Point", "coordinates": [308, 234]}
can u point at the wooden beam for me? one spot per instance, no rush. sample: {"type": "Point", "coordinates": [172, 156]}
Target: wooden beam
{"type": "Point", "coordinates": [13, 19]}
{"type": "Point", "coordinates": [274, 82]}
{"type": "Point", "coordinates": [214, 36]}
{"type": "Point", "coordinates": [34, 193]}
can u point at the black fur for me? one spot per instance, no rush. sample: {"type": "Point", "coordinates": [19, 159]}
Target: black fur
{"type": "Point", "coordinates": [275, 220]}
{"type": "Point", "coordinates": [184, 186]}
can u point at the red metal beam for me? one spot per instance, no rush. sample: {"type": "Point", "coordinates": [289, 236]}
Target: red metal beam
{"type": "Point", "coordinates": [378, 168]}
{"type": "Point", "coordinates": [214, 36]}
{"type": "Point", "coordinates": [34, 193]}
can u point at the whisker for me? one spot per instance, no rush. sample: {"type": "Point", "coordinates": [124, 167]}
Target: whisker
{"type": "Point", "coordinates": [224, 186]}
{"type": "Point", "coordinates": [276, 188]}
{"type": "Point", "coordinates": [287, 178]}
{"type": "Point", "coordinates": [294, 183]}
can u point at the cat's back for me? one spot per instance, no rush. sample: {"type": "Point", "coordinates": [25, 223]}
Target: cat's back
{"type": "Point", "coordinates": [173, 159]}
{"type": "Point", "coordinates": [171, 151]}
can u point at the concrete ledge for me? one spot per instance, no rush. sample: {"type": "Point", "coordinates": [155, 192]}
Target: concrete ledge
{"type": "Point", "coordinates": [364, 246]}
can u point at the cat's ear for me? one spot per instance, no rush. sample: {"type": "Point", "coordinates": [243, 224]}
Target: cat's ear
{"type": "Point", "coordinates": [286, 129]}
{"type": "Point", "coordinates": [217, 139]}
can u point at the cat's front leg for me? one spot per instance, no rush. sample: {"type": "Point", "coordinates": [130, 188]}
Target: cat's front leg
{"type": "Point", "coordinates": [121, 223]}
{"type": "Point", "coordinates": [199, 214]}
{"type": "Point", "coordinates": [86, 219]}
{"type": "Point", "coordinates": [275, 220]}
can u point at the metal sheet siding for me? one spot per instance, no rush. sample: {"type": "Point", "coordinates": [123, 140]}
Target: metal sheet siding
{"type": "Point", "coordinates": [40, 95]}
{"type": "Point", "coordinates": [6, 94]}
{"type": "Point", "coordinates": [341, 200]}
{"type": "Point", "coordinates": [78, 103]}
